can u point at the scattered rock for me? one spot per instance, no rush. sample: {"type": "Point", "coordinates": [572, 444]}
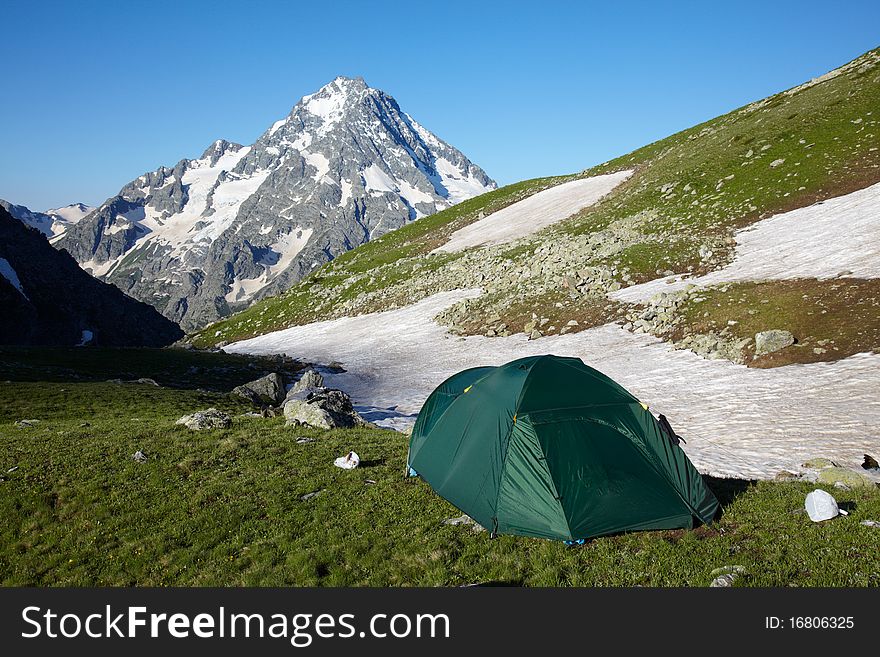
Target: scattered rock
{"type": "Point", "coordinates": [325, 408]}
{"type": "Point", "coordinates": [309, 496]}
{"type": "Point", "coordinates": [766, 342]}
{"type": "Point", "coordinates": [870, 463]}
{"type": "Point", "coordinates": [870, 523]}
{"type": "Point", "coordinates": [844, 476]}
{"type": "Point", "coordinates": [785, 475]}
{"type": "Point", "coordinates": [25, 424]}
{"type": "Point", "coordinates": [776, 163]}
{"type": "Point", "coordinates": [208, 419]}
{"type": "Point", "coordinates": [140, 457]}
{"type": "Point", "coordinates": [146, 381]}
{"type": "Point", "coordinates": [725, 576]}
{"type": "Point", "coordinates": [268, 389]}
{"type": "Point", "coordinates": [465, 520]}
{"type": "Point", "coordinates": [304, 441]}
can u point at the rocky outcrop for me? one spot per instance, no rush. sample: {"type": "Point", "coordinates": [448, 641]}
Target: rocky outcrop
{"type": "Point", "coordinates": [325, 408]}
{"type": "Point", "coordinates": [208, 419]}
{"type": "Point", "coordinates": [310, 378]}
{"type": "Point", "coordinates": [267, 390]}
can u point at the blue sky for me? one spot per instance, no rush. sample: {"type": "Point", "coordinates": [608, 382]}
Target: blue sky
{"type": "Point", "coordinates": [97, 93]}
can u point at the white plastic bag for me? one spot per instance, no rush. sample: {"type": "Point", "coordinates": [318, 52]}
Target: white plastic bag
{"type": "Point", "coordinates": [348, 462]}
{"type": "Point", "coordinates": [821, 506]}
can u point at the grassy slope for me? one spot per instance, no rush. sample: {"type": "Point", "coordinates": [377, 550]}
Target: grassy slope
{"type": "Point", "coordinates": [827, 136]}
{"type": "Point", "coordinates": [693, 188]}
{"type": "Point", "coordinates": [830, 319]}
{"type": "Point", "coordinates": [224, 508]}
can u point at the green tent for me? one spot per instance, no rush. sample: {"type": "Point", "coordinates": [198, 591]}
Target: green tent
{"type": "Point", "coordinates": [547, 446]}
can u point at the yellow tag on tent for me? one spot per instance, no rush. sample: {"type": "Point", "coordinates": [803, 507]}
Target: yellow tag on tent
{"type": "Point", "coordinates": [644, 405]}
{"type": "Point", "coordinates": [468, 388]}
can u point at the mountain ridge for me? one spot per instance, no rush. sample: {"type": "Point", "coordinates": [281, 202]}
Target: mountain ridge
{"type": "Point", "coordinates": [48, 300]}
{"type": "Point", "coordinates": [209, 236]}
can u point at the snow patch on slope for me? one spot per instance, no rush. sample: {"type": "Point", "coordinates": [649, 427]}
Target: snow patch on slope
{"type": "Point", "coordinates": [285, 249]}
{"type": "Point", "coordinates": [534, 213]}
{"type": "Point", "coordinates": [818, 241]}
{"type": "Point", "coordinates": [738, 421]}
{"type": "Point", "coordinates": [7, 272]}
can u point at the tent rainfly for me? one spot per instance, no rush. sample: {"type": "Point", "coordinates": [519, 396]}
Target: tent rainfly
{"type": "Point", "coordinates": [546, 446]}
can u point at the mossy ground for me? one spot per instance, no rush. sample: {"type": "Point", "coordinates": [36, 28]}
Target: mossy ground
{"type": "Point", "coordinates": [225, 507]}
{"type": "Point", "coordinates": [830, 319]}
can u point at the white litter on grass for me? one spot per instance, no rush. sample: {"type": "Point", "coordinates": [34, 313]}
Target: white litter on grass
{"type": "Point", "coordinates": [822, 506]}
{"type": "Point", "coordinates": [820, 241]}
{"type": "Point", "coordinates": [535, 212]}
{"type": "Point", "coordinates": [738, 421]}
{"type": "Point", "coordinates": [348, 462]}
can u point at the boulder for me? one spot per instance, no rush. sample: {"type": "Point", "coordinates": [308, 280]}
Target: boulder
{"type": "Point", "coordinates": [766, 342]}
{"type": "Point", "coordinates": [310, 378]}
{"type": "Point", "coordinates": [325, 408]}
{"type": "Point", "coordinates": [208, 419]}
{"type": "Point", "coordinates": [268, 390]}
{"type": "Point", "coordinates": [844, 476]}
{"type": "Point", "coordinates": [819, 463]}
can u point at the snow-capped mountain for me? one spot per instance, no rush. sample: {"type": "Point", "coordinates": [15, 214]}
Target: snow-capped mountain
{"type": "Point", "coordinates": [52, 223]}
{"type": "Point", "coordinates": [211, 235]}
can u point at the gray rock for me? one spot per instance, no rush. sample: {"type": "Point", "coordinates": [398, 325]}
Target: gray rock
{"type": "Point", "coordinates": [26, 424]}
{"type": "Point", "coordinates": [310, 378]}
{"type": "Point", "coordinates": [324, 408]}
{"type": "Point", "coordinates": [208, 419]}
{"type": "Point", "coordinates": [726, 576]}
{"type": "Point", "coordinates": [268, 389]}
{"type": "Point", "coordinates": [140, 457]}
{"type": "Point", "coordinates": [465, 520]}
{"type": "Point", "coordinates": [767, 342]}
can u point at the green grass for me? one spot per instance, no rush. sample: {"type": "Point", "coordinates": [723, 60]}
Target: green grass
{"type": "Point", "coordinates": [224, 508]}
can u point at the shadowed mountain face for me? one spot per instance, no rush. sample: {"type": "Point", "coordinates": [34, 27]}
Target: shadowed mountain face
{"type": "Point", "coordinates": [209, 236]}
{"type": "Point", "coordinates": [47, 299]}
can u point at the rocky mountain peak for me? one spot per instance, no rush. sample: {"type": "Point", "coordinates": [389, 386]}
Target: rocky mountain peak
{"type": "Point", "coordinates": [211, 235]}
